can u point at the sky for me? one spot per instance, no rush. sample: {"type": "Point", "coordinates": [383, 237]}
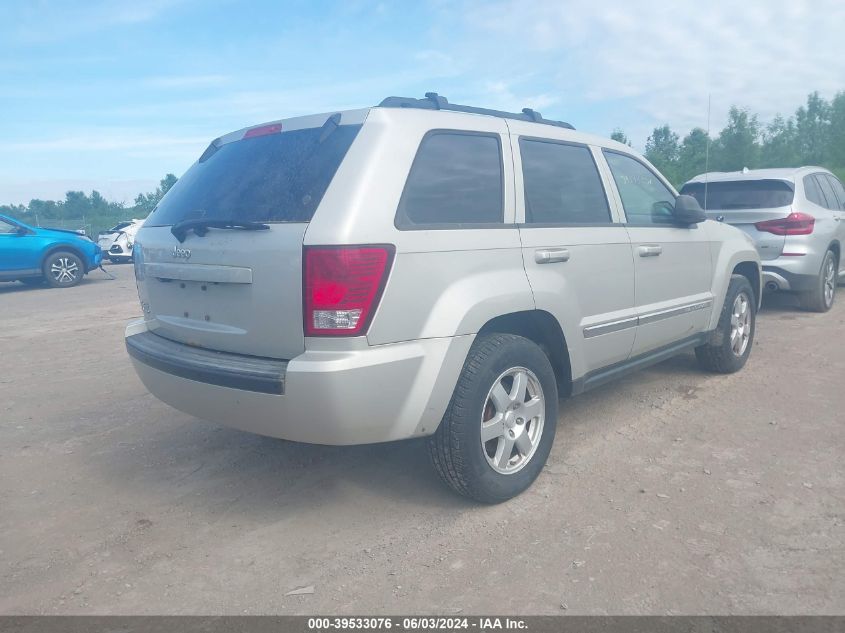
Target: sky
{"type": "Point", "coordinates": [113, 94]}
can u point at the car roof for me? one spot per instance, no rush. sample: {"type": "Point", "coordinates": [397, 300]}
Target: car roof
{"type": "Point", "coordinates": [790, 174]}
{"type": "Point", "coordinates": [435, 106]}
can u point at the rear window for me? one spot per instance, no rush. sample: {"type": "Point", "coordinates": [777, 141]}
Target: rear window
{"type": "Point", "coordinates": [271, 178]}
{"type": "Point", "coordinates": [456, 179]}
{"type": "Point", "coordinates": [741, 194]}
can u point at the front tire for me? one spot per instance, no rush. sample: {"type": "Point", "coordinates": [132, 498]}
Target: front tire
{"type": "Point", "coordinates": [63, 269]}
{"type": "Point", "coordinates": [730, 344]}
{"type": "Point", "coordinates": [821, 297]}
{"type": "Point", "coordinates": [498, 430]}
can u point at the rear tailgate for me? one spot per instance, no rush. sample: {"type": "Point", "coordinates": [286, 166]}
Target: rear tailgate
{"type": "Point", "coordinates": [236, 290]}
{"type": "Point", "coordinates": [769, 245]}
{"type": "Point", "coordinates": [745, 203]}
{"type": "Point", "coordinates": [232, 291]}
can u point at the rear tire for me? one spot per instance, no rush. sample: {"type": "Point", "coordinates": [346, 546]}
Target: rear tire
{"type": "Point", "coordinates": [63, 269]}
{"type": "Point", "coordinates": [823, 294]}
{"type": "Point", "coordinates": [506, 393]}
{"type": "Point", "coordinates": [730, 344]}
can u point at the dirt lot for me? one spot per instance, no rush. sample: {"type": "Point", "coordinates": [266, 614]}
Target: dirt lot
{"type": "Point", "coordinates": [672, 491]}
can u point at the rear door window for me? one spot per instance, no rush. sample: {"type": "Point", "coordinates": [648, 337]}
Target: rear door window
{"type": "Point", "coordinates": [741, 194]}
{"type": "Point", "coordinates": [277, 177]}
{"type": "Point", "coordinates": [827, 192]}
{"type": "Point", "coordinates": [562, 184]}
{"type": "Point", "coordinates": [455, 180]}
{"type": "Point", "coordinates": [838, 189]}
{"type": "Point", "coordinates": [645, 198]}
{"type": "Point", "coordinates": [813, 192]}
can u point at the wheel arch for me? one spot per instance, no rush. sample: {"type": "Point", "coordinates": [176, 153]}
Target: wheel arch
{"type": "Point", "coordinates": [837, 250]}
{"type": "Point", "coordinates": [543, 329]}
{"type": "Point", "coordinates": [751, 271]}
{"type": "Point", "coordinates": [55, 248]}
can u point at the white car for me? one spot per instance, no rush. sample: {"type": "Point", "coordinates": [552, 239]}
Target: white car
{"type": "Point", "coordinates": [425, 269]}
{"type": "Point", "coordinates": [118, 241]}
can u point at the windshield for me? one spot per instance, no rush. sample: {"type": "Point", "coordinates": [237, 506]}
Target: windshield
{"type": "Point", "coordinates": [741, 194]}
{"type": "Point", "coordinates": [270, 178]}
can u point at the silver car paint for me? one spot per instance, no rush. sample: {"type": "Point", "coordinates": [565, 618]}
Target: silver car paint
{"type": "Point", "coordinates": [444, 286]}
{"type": "Point", "coordinates": [828, 231]}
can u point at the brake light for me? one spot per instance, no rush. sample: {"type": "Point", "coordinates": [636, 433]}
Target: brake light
{"type": "Point", "coordinates": [263, 130]}
{"type": "Point", "coordinates": [342, 287]}
{"type": "Point", "coordinates": [794, 224]}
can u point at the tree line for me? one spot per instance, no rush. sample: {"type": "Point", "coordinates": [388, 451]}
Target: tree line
{"type": "Point", "coordinates": [814, 135]}
{"type": "Point", "coordinates": [90, 212]}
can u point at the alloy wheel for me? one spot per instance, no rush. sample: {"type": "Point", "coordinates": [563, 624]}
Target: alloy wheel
{"type": "Point", "coordinates": [740, 324]}
{"type": "Point", "coordinates": [512, 420]}
{"type": "Point", "coordinates": [64, 270]}
{"type": "Point", "coordinates": [829, 281]}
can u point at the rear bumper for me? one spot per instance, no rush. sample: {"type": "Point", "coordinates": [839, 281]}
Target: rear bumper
{"type": "Point", "coordinates": [795, 278]}
{"type": "Point", "coordinates": [376, 394]}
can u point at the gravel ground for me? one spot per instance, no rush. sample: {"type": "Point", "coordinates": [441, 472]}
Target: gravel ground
{"type": "Point", "coordinates": [672, 491]}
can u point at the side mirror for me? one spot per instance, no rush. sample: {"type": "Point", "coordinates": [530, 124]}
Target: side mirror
{"type": "Point", "coordinates": [22, 230]}
{"type": "Point", "coordinates": [688, 211]}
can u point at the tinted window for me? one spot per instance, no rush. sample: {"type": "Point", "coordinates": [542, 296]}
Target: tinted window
{"type": "Point", "coordinates": [827, 192]}
{"type": "Point", "coordinates": [271, 178]}
{"type": "Point", "coordinates": [455, 179]}
{"type": "Point", "coordinates": [838, 189]}
{"type": "Point", "coordinates": [741, 194]}
{"type": "Point", "coordinates": [562, 184]}
{"type": "Point", "coordinates": [645, 198]}
{"type": "Point", "coordinates": [813, 192]}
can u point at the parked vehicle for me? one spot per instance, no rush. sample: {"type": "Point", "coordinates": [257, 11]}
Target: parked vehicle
{"type": "Point", "coordinates": [118, 241]}
{"type": "Point", "coordinates": [796, 218]}
{"type": "Point", "coordinates": [34, 255]}
{"type": "Point", "coordinates": [427, 269]}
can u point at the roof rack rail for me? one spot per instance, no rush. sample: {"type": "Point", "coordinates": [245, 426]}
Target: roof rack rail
{"type": "Point", "coordinates": [434, 101]}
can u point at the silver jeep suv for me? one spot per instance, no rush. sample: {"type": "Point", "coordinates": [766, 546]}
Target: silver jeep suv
{"type": "Point", "coordinates": [424, 269]}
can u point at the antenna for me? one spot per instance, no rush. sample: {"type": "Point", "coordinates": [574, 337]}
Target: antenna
{"type": "Point", "coordinates": [707, 153]}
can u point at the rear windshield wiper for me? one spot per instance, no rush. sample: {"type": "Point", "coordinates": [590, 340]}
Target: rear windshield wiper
{"type": "Point", "coordinates": [200, 226]}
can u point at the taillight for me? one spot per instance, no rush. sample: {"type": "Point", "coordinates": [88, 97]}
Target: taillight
{"type": "Point", "coordinates": [794, 224]}
{"type": "Point", "coordinates": [342, 287]}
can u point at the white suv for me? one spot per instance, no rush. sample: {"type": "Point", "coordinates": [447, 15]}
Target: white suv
{"type": "Point", "coordinates": [423, 269]}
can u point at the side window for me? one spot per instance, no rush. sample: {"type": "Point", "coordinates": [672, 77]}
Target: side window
{"type": "Point", "coordinates": [6, 227]}
{"type": "Point", "coordinates": [562, 184]}
{"type": "Point", "coordinates": [456, 178]}
{"type": "Point", "coordinates": [827, 192]}
{"type": "Point", "coordinates": [645, 198]}
{"type": "Point", "coordinates": [838, 189]}
{"type": "Point", "coordinates": [813, 192]}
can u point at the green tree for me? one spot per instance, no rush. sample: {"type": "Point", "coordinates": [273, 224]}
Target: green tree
{"type": "Point", "coordinates": [620, 137]}
{"type": "Point", "coordinates": [146, 202]}
{"type": "Point", "coordinates": [836, 136]}
{"type": "Point", "coordinates": [662, 150]}
{"type": "Point", "coordinates": [780, 144]}
{"type": "Point", "coordinates": [738, 144]}
{"type": "Point", "coordinates": [813, 127]}
{"type": "Point", "coordinates": [693, 155]}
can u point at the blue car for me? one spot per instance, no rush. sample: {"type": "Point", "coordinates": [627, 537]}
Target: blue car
{"type": "Point", "coordinates": [34, 255]}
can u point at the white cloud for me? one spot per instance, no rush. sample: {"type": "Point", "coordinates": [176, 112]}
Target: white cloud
{"type": "Point", "coordinates": [665, 58]}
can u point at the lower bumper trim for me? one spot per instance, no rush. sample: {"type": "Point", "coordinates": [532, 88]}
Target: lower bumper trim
{"type": "Point", "coordinates": [236, 371]}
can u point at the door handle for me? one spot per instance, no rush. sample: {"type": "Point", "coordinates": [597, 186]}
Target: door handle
{"type": "Point", "coordinates": [651, 250]}
{"type": "Point", "coordinates": [551, 255]}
